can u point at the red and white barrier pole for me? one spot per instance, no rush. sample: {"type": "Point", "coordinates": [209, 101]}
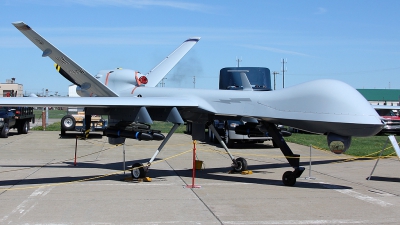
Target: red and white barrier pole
{"type": "Point", "coordinates": [194, 167]}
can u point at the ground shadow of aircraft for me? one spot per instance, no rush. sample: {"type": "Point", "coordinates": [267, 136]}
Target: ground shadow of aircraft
{"type": "Point", "coordinates": [387, 179]}
{"type": "Point", "coordinates": [217, 173]}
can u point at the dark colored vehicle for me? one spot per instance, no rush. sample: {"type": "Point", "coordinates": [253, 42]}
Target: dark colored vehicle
{"type": "Point", "coordinates": [259, 78]}
{"type": "Point", "coordinates": [391, 120]}
{"type": "Point", "coordinates": [18, 118]}
{"type": "Point", "coordinates": [233, 131]}
{"type": "Point", "coordinates": [237, 131]}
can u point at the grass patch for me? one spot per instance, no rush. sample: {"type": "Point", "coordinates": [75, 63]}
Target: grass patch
{"type": "Point", "coordinates": [165, 127]}
{"type": "Point", "coordinates": [52, 127]}
{"type": "Point", "coordinates": [53, 114]}
{"type": "Point", "coordinates": [360, 146]}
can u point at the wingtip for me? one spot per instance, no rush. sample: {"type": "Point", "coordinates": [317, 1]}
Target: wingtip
{"type": "Point", "coordinates": [196, 39]}
{"type": "Point", "coordinates": [21, 25]}
{"type": "Point", "coordinates": [17, 22]}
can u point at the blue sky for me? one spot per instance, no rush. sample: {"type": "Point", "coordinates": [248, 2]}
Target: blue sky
{"type": "Point", "coordinates": [355, 41]}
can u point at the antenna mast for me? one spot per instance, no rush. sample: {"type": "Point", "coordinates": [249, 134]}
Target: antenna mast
{"type": "Point", "coordinates": [283, 71]}
{"type": "Point", "coordinates": [275, 73]}
{"type": "Point", "coordinates": [238, 61]}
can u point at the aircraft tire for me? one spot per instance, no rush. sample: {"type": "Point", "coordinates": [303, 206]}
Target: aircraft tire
{"type": "Point", "coordinates": [275, 144]}
{"type": "Point", "coordinates": [138, 171]}
{"type": "Point", "coordinates": [228, 142]}
{"type": "Point", "coordinates": [211, 137]}
{"type": "Point", "coordinates": [210, 134]}
{"type": "Point", "coordinates": [4, 131]}
{"type": "Point", "coordinates": [68, 123]}
{"type": "Point", "coordinates": [288, 178]}
{"type": "Point", "coordinates": [241, 165]}
{"type": "Point", "coordinates": [24, 127]}
{"type": "Point", "coordinates": [215, 139]}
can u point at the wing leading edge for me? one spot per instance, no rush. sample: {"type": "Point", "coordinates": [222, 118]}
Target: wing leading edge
{"type": "Point", "coordinates": [156, 74]}
{"type": "Point", "coordinates": [103, 102]}
{"type": "Point", "coordinates": [70, 70]}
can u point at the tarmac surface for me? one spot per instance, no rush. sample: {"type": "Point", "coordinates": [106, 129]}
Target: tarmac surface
{"type": "Point", "coordinates": [39, 184]}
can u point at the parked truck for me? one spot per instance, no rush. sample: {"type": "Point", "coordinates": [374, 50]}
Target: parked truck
{"type": "Point", "coordinates": [15, 117]}
{"type": "Point", "coordinates": [237, 130]}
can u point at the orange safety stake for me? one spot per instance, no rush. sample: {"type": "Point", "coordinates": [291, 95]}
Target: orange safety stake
{"type": "Point", "coordinates": [194, 167]}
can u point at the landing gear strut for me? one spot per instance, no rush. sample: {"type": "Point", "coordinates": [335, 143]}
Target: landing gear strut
{"type": "Point", "coordinates": [289, 177]}
{"type": "Point", "coordinates": [140, 170]}
{"type": "Point", "coordinates": [239, 164]}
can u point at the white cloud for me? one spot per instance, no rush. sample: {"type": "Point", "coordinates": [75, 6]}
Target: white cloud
{"type": "Point", "coordinates": [274, 50]}
{"type": "Point", "coordinates": [178, 4]}
{"type": "Point", "coordinates": [320, 11]}
{"type": "Point", "coordinates": [143, 3]}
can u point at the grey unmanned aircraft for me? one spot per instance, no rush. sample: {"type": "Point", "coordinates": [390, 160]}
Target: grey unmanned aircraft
{"type": "Point", "coordinates": [132, 102]}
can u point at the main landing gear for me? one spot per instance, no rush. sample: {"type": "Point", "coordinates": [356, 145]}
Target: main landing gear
{"type": "Point", "coordinates": [239, 164]}
{"type": "Point", "coordinates": [140, 170]}
{"type": "Point", "coordinates": [289, 177]}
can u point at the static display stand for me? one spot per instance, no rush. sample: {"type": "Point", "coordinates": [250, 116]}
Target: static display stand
{"type": "Point", "coordinates": [123, 153]}
{"type": "Point", "coordinates": [395, 145]}
{"type": "Point", "coordinates": [309, 168]}
{"type": "Point", "coordinates": [76, 149]}
{"type": "Point", "coordinates": [393, 141]}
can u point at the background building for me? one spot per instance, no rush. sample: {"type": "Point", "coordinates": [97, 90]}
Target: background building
{"type": "Point", "coordinates": [381, 96]}
{"type": "Point", "coordinates": [11, 89]}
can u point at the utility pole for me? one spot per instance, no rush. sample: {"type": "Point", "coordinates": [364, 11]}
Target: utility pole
{"type": "Point", "coordinates": [275, 73]}
{"type": "Point", "coordinates": [47, 109]}
{"type": "Point", "coordinates": [283, 72]}
{"type": "Point", "coordinates": [194, 82]}
{"type": "Point", "coordinates": [238, 61]}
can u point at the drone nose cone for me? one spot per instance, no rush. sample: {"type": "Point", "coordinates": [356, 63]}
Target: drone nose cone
{"type": "Point", "coordinates": [326, 106]}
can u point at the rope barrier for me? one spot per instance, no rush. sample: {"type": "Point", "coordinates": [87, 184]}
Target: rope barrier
{"type": "Point", "coordinates": [161, 160]}
{"type": "Point", "coordinates": [90, 178]}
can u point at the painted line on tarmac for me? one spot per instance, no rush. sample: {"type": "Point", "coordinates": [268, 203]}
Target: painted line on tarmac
{"type": "Point", "coordinates": [131, 183]}
{"type": "Point", "coordinates": [159, 183]}
{"type": "Point", "coordinates": [364, 197]}
{"type": "Point", "coordinates": [26, 206]}
{"type": "Point", "coordinates": [298, 222]}
{"type": "Point", "coordinates": [357, 195]}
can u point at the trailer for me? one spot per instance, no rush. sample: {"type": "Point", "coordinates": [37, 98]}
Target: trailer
{"type": "Point", "coordinates": [75, 121]}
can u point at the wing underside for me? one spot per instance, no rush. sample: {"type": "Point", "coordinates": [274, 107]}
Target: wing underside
{"type": "Point", "coordinates": [104, 102]}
